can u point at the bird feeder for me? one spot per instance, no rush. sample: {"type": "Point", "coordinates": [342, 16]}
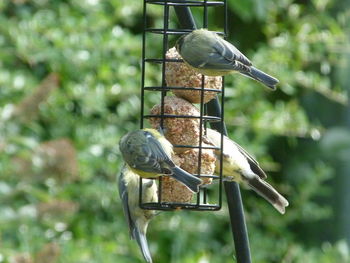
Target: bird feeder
{"type": "Point", "coordinates": [182, 104]}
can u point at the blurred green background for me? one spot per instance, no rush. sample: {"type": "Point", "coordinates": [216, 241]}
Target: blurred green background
{"type": "Point", "coordinates": [69, 89]}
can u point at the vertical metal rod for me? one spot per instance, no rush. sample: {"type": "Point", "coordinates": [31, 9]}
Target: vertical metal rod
{"type": "Point", "coordinates": [143, 84]}
{"type": "Point", "coordinates": [238, 225]}
{"type": "Point", "coordinates": [163, 94]}
{"type": "Point", "coordinates": [234, 201]}
{"type": "Point", "coordinates": [165, 48]}
{"type": "Point", "coordinates": [201, 110]}
{"type": "Point", "coordinates": [143, 63]}
{"type": "Point", "coordinates": [205, 22]}
{"type": "Point", "coordinates": [205, 14]}
{"type": "Point", "coordinates": [185, 17]}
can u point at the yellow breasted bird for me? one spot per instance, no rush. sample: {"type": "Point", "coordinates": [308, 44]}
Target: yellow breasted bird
{"type": "Point", "coordinates": [210, 55]}
{"type": "Point", "coordinates": [137, 218]}
{"type": "Point", "coordinates": [240, 166]}
{"type": "Point", "coordinates": [148, 154]}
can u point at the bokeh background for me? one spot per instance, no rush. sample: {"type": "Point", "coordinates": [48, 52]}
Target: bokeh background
{"type": "Point", "coordinates": [69, 89]}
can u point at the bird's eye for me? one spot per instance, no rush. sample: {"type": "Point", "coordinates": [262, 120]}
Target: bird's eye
{"type": "Point", "coordinates": [148, 135]}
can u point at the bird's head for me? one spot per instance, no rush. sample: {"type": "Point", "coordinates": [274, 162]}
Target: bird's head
{"type": "Point", "coordinates": [153, 132]}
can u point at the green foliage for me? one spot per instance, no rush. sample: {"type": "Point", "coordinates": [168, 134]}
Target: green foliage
{"type": "Point", "coordinates": [70, 77]}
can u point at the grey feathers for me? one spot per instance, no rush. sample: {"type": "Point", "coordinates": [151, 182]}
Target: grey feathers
{"type": "Point", "coordinates": [148, 153]}
{"type": "Point", "coordinates": [270, 194]}
{"type": "Point", "coordinates": [137, 218]}
{"type": "Point", "coordinates": [240, 166]}
{"type": "Point", "coordinates": [142, 151]}
{"type": "Point", "coordinates": [211, 55]}
{"type": "Point", "coordinates": [254, 165]}
{"type": "Point", "coordinates": [123, 194]}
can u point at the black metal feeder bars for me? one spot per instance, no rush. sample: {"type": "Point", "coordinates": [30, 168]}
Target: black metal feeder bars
{"type": "Point", "coordinates": [209, 113]}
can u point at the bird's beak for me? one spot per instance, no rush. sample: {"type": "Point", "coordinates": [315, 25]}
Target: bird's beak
{"type": "Point", "coordinates": [179, 43]}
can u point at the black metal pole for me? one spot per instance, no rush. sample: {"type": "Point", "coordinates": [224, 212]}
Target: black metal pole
{"type": "Point", "coordinates": [233, 195]}
{"type": "Point", "coordinates": [185, 17]}
{"type": "Point", "coordinates": [238, 225]}
{"type": "Point", "coordinates": [234, 201]}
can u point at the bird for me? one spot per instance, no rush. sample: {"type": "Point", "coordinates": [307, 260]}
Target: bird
{"type": "Point", "coordinates": [148, 153]}
{"type": "Point", "coordinates": [209, 54]}
{"type": "Point", "coordinates": [137, 218]}
{"type": "Point", "coordinates": [239, 166]}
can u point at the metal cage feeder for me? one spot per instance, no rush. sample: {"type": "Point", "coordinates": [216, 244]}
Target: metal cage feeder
{"type": "Point", "coordinates": [210, 113]}
{"type": "Point", "coordinates": [201, 200]}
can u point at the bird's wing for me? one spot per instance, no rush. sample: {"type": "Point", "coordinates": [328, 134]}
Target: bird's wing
{"type": "Point", "coordinates": [254, 165]}
{"type": "Point", "coordinates": [225, 57]}
{"type": "Point", "coordinates": [217, 62]}
{"type": "Point", "coordinates": [152, 156]}
{"type": "Point", "coordinates": [230, 52]}
{"type": "Point", "coordinates": [123, 194]}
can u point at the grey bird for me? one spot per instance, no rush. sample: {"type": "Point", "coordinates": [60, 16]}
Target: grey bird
{"type": "Point", "coordinates": [148, 154]}
{"type": "Point", "coordinates": [240, 166]}
{"type": "Point", "coordinates": [137, 218]}
{"type": "Point", "coordinates": [210, 55]}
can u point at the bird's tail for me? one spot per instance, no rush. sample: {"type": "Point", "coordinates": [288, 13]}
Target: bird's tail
{"type": "Point", "coordinates": [141, 239]}
{"type": "Point", "coordinates": [186, 178]}
{"type": "Point", "coordinates": [262, 77]}
{"type": "Point", "coordinates": [269, 193]}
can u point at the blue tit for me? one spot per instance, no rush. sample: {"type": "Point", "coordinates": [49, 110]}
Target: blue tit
{"type": "Point", "coordinates": [240, 166]}
{"type": "Point", "coordinates": [137, 218]}
{"type": "Point", "coordinates": [148, 154]}
{"type": "Point", "coordinates": [210, 55]}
